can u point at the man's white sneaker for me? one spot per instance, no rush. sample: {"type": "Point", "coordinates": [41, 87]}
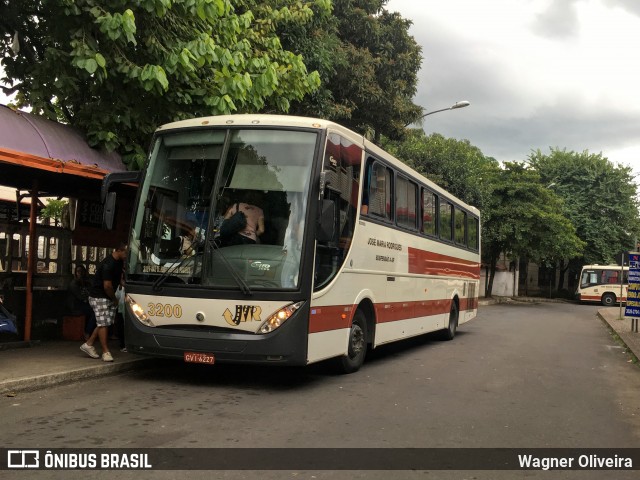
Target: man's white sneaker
{"type": "Point", "coordinates": [106, 357]}
{"type": "Point", "coordinates": [89, 350]}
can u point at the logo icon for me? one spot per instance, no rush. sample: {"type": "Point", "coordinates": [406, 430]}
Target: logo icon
{"type": "Point", "coordinates": [23, 459]}
{"type": "Point", "coordinates": [244, 313]}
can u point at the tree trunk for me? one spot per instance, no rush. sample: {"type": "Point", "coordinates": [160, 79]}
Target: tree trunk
{"type": "Point", "coordinates": [563, 271]}
{"type": "Point", "coordinates": [492, 273]}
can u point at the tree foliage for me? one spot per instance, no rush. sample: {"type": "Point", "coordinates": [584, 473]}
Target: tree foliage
{"type": "Point", "coordinates": [119, 68]}
{"type": "Point", "coordinates": [53, 210]}
{"type": "Point", "coordinates": [368, 63]}
{"type": "Point", "coordinates": [526, 221]}
{"type": "Point", "coordinates": [455, 165]}
{"type": "Point", "coordinates": [600, 199]}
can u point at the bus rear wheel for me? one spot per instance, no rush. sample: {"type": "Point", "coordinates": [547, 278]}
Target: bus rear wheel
{"type": "Point", "coordinates": [353, 360]}
{"type": "Point", "coordinates": [450, 332]}
{"type": "Point", "coordinates": [608, 299]}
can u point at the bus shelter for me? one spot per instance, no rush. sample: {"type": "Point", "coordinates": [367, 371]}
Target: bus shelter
{"type": "Point", "coordinates": [41, 158]}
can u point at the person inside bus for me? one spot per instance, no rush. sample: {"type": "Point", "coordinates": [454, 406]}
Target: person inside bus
{"type": "Point", "coordinates": [191, 235]}
{"type": "Point", "coordinates": [254, 215]}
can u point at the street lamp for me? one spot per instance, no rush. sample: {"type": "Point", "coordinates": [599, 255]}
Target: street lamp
{"type": "Point", "coordinates": [460, 104]}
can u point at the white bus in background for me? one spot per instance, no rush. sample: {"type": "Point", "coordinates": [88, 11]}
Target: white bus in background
{"type": "Point", "coordinates": [601, 283]}
{"type": "Point", "coordinates": [358, 250]}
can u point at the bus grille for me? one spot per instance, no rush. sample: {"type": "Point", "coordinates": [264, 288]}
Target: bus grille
{"type": "Point", "coordinates": [201, 329]}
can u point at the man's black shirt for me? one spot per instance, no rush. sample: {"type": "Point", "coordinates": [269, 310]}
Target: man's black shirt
{"type": "Point", "coordinates": [109, 269]}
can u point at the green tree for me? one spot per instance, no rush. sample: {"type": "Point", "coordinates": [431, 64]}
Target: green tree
{"type": "Point", "coordinates": [455, 165]}
{"type": "Point", "coordinates": [53, 210]}
{"type": "Point", "coordinates": [318, 43]}
{"type": "Point", "coordinates": [117, 69]}
{"type": "Point", "coordinates": [525, 221]}
{"type": "Point", "coordinates": [600, 199]}
{"type": "Point", "coordinates": [368, 63]}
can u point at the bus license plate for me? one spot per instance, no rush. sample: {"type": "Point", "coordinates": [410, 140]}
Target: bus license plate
{"type": "Point", "coordinates": [194, 357]}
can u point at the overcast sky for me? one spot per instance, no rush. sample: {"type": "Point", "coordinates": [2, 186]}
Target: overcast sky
{"type": "Point", "coordinates": [538, 74]}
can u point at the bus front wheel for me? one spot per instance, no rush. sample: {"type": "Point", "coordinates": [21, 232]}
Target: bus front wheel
{"type": "Point", "coordinates": [353, 360]}
{"type": "Point", "coordinates": [608, 299]}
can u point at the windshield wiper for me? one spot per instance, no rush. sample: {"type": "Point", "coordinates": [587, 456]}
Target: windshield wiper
{"type": "Point", "coordinates": [157, 285]}
{"type": "Point", "coordinates": [244, 286]}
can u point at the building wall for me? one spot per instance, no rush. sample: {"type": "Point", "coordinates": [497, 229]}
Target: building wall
{"type": "Point", "coordinates": [505, 283]}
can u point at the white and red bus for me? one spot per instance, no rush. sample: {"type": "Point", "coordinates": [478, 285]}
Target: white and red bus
{"type": "Point", "coordinates": [358, 249]}
{"type": "Point", "coordinates": [602, 283]}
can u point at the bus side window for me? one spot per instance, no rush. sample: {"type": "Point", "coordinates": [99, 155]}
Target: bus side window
{"type": "Point", "coordinates": [429, 212]}
{"type": "Point", "coordinates": [460, 222]}
{"type": "Point", "coordinates": [342, 168]}
{"type": "Point", "coordinates": [380, 191]}
{"type": "Point", "coordinates": [446, 218]}
{"type": "Point", "coordinates": [472, 224]}
{"type": "Point", "coordinates": [406, 203]}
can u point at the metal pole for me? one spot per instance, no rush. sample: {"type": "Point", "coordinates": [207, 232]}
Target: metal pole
{"type": "Point", "coordinates": [31, 262]}
{"type": "Point", "coordinates": [621, 280]}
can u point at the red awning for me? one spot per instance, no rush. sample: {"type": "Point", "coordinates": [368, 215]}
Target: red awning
{"type": "Point", "coordinates": [32, 146]}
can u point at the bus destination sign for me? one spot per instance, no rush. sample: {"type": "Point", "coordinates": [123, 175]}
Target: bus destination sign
{"type": "Point", "coordinates": [632, 308]}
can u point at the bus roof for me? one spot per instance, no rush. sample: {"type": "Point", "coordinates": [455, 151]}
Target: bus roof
{"type": "Point", "coordinates": [253, 120]}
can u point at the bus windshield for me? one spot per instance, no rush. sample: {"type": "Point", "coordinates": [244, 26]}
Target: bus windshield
{"type": "Point", "coordinates": [197, 177]}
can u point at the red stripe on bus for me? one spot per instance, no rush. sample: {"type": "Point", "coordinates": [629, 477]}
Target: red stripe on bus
{"type": "Point", "coordinates": [325, 318]}
{"type": "Point", "coordinates": [392, 312]}
{"type": "Point", "coordinates": [468, 304]}
{"type": "Point", "coordinates": [335, 317]}
{"type": "Point", "coordinates": [429, 263]}
{"type": "Point", "coordinates": [596, 298]}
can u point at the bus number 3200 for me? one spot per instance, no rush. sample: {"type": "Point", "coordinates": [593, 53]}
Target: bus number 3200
{"type": "Point", "coordinates": [164, 310]}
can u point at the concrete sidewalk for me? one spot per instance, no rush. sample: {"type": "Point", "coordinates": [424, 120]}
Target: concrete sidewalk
{"type": "Point", "coordinates": [50, 363]}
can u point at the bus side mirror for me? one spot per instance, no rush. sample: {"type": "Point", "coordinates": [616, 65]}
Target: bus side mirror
{"type": "Point", "coordinates": [109, 198]}
{"type": "Point", "coordinates": [327, 221]}
{"type": "Point", "coordinates": [109, 212]}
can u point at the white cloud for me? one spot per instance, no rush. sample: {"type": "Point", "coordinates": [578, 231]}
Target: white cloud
{"type": "Point", "coordinates": [538, 73]}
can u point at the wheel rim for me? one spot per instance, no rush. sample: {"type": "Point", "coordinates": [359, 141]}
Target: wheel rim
{"type": "Point", "coordinates": [356, 341]}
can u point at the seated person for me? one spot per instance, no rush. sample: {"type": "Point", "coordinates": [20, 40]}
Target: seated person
{"type": "Point", "coordinates": [79, 299]}
{"type": "Point", "coordinates": [255, 220]}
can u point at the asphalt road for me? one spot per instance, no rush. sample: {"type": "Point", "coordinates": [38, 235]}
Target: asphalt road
{"type": "Point", "coordinates": [520, 375]}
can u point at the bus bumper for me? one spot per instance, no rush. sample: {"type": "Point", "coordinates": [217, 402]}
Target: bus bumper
{"type": "Point", "coordinates": [285, 346]}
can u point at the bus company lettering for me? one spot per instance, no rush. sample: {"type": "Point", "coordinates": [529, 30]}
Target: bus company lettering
{"type": "Point", "coordinates": [244, 313]}
{"type": "Point", "coordinates": [384, 258]}
{"type": "Point", "coordinates": [384, 244]}
{"type": "Point", "coordinates": [163, 269]}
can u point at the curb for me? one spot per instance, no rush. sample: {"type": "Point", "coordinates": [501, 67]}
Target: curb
{"type": "Point", "coordinates": [38, 382]}
{"type": "Point", "coordinates": [484, 301]}
{"type": "Point", "coordinates": [621, 335]}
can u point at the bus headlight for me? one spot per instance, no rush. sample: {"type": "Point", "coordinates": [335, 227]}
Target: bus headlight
{"type": "Point", "coordinates": [138, 312]}
{"type": "Point", "coordinates": [279, 317]}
